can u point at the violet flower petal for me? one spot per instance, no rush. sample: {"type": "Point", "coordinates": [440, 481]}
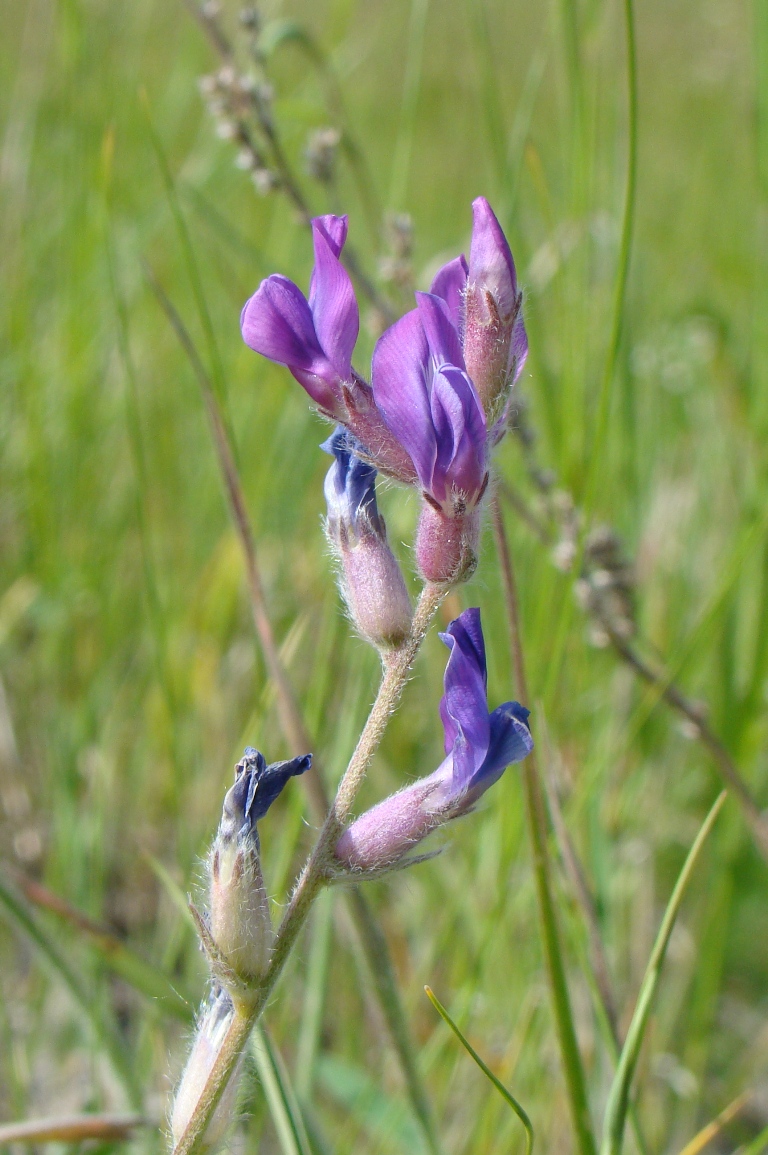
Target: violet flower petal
{"type": "Point", "coordinates": [350, 489]}
{"type": "Point", "coordinates": [518, 348]}
{"type": "Point", "coordinates": [441, 333]}
{"type": "Point", "coordinates": [449, 283]}
{"type": "Point", "coordinates": [277, 322]}
{"type": "Point", "coordinates": [399, 382]}
{"type": "Point", "coordinates": [460, 430]}
{"type": "Point", "coordinates": [510, 741]}
{"type": "Point", "coordinates": [332, 302]}
{"type": "Point", "coordinates": [464, 705]}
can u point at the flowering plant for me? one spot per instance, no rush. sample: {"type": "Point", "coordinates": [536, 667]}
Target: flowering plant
{"type": "Point", "coordinates": [441, 381]}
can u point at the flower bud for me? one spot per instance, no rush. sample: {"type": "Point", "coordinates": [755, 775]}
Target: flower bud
{"type": "Point", "coordinates": [370, 578]}
{"type": "Point", "coordinates": [495, 344]}
{"type": "Point", "coordinates": [240, 923]}
{"type": "Point", "coordinates": [211, 1028]}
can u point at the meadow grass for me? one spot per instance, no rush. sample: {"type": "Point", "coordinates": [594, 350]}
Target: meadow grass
{"type": "Point", "coordinates": [131, 679]}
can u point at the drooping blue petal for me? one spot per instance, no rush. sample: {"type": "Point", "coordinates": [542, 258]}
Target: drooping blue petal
{"type": "Point", "coordinates": [510, 741]}
{"type": "Point", "coordinates": [272, 781]}
{"type": "Point", "coordinates": [400, 391]}
{"type": "Point", "coordinates": [449, 283]}
{"type": "Point", "coordinates": [464, 705]}
{"type": "Point", "coordinates": [277, 322]}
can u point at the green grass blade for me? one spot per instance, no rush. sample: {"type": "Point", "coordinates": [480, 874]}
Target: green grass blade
{"type": "Point", "coordinates": [314, 994]}
{"type": "Point", "coordinates": [401, 164]}
{"type": "Point", "coordinates": [758, 1146]}
{"type": "Point", "coordinates": [618, 1098]}
{"type": "Point", "coordinates": [507, 1095]}
{"type": "Point", "coordinates": [281, 1098]}
{"type": "Point", "coordinates": [145, 978]}
{"type": "Point", "coordinates": [195, 279]}
{"type": "Point", "coordinates": [15, 910]}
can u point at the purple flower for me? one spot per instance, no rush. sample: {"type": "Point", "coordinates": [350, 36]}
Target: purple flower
{"type": "Point", "coordinates": [315, 338]}
{"type": "Point", "coordinates": [478, 746]}
{"type": "Point", "coordinates": [371, 580]}
{"type": "Point", "coordinates": [422, 389]}
{"type": "Point", "coordinates": [432, 408]}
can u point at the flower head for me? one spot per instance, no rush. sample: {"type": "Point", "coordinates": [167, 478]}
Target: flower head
{"type": "Point", "coordinates": [371, 580]}
{"type": "Point", "coordinates": [478, 747]}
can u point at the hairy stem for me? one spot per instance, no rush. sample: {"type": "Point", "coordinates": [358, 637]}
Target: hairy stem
{"type": "Point", "coordinates": [295, 731]}
{"type": "Point", "coordinates": [537, 826]}
{"type": "Point", "coordinates": [313, 877]}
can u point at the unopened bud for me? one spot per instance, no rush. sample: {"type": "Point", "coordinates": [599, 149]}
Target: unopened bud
{"type": "Point", "coordinates": [370, 577]}
{"type": "Point", "coordinates": [212, 1026]}
{"type": "Point", "coordinates": [495, 344]}
{"type": "Point", "coordinates": [240, 923]}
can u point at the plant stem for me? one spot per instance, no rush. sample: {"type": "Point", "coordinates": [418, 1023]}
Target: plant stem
{"type": "Point", "coordinates": [396, 669]}
{"type": "Point", "coordinates": [537, 826]}
{"type": "Point", "coordinates": [294, 729]}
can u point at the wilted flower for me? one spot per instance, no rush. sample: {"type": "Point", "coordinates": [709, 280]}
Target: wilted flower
{"type": "Point", "coordinates": [371, 580]}
{"type": "Point", "coordinates": [478, 746]}
{"type": "Point", "coordinates": [240, 924]}
{"type": "Point", "coordinates": [315, 338]}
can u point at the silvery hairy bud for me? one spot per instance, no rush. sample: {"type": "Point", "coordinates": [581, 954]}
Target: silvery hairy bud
{"type": "Point", "coordinates": [240, 923]}
{"type": "Point", "coordinates": [370, 578]}
{"type": "Point", "coordinates": [495, 343]}
{"type": "Point", "coordinates": [212, 1025]}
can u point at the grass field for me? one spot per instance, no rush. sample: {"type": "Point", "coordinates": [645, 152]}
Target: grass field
{"type": "Point", "coordinates": [130, 675]}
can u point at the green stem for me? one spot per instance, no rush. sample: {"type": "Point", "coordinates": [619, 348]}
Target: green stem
{"type": "Point", "coordinates": [249, 1007]}
{"type": "Point", "coordinates": [618, 1098]}
{"type": "Point", "coordinates": [537, 826]}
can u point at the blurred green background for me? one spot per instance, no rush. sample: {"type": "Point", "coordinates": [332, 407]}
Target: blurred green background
{"type": "Point", "coordinates": [130, 675]}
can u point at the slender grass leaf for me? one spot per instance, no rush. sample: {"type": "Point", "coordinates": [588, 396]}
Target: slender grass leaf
{"type": "Point", "coordinates": [713, 1129]}
{"type": "Point", "coordinates": [18, 915]}
{"type": "Point", "coordinates": [618, 1097]}
{"type": "Point", "coordinates": [145, 978]}
{"type": "Point", "coordinates": [520, 1111]}
{"type": "Point", "coordinates": [281, 1098]}
{"type": "Point", "coordinates": [72, 1129]}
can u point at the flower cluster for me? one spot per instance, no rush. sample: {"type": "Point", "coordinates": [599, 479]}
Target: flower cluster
{"type": "Point", "coordinates": [440, 389]}
{"type": "Point", "coordinates": [440, 383]}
